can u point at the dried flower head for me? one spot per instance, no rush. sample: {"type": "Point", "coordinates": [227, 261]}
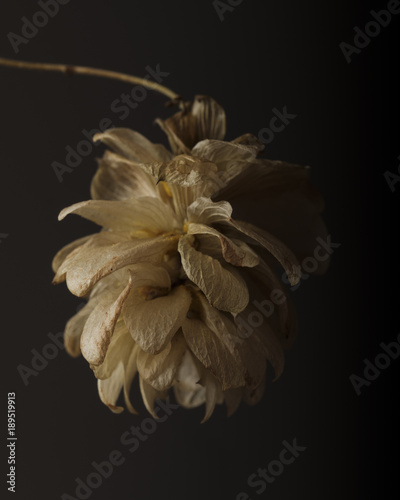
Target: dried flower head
{"type": "Point", "coordinates": [172, 280]}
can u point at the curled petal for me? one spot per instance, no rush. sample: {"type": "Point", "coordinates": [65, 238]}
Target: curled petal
{"type": "Point", "coordinates": [212, 353]}
{"type": "Point", "coordinates": [205, 211]}
{"type": "Point", "coordinates": [110, 388]}
{"type": "Point", "coordinates": [201, 119]}
{"type": "Point", "coordinates": [159, 370]}
{"type": "Point", "coordinates": [224, 288]}
{"type": "Point", "coordinates": [99, 328]}
{"type": "Point", "coordinates": [153, 323]}
{"type": "Point", "coordinates": [188, 392]}
{"type": "Point", "coordinates": [132, 145]}
{"type": "Point", "coordinates": [149, 395]}
{"type": "Point", "coordinates": [62, 254]}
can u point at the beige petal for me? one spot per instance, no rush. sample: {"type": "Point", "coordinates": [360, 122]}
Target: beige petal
{"type": "Point", "coordinates": [212, 353]}
{"type": "Point", "coordinates": [74, 329]}
{"type": "Point", "coordinates": [286, 258]}
{"type": "Point", "coordinates": [133, 145]}
{"type": "Point", "coordinates": [110, 389]}
{"type": "Point", "coordinates": [150, 395]}
{"type": "Point", "coordinates": [224, 288]}
{"type": "Point", "coordinates": [105, 253]}
{"type": "Point", "coordinates": [213, 393]}
{"type": "Point", "coordinates": [120, 348]}
{"type": "Point", "coordinates": [250, 140]}
{"type": "Point", "coordinates": [159, 370]}
{"type": "Point", "coordinates": [62, 254]}
{"type": "Point", "coordinates": [186, 171]}
{"type": "Point", "coordinates": [205, 211]}
{"type": "Point", "coordinates": [142, 214]}
{"type": "Point", "coordinates": [201, 119]}
{"type": "Point", "coordinates": [241, 256]}
{"type": "Point", "coordinates": [153, 323]}
{"type": "Point", "coordinates": [130, 372]}
{"type": "Point", "coordinates": [120, 179]}
{"type": "Point", "coordinates": [231, 158]}
{"type": "Point", "coordinates": [188, 392]}
{"type": "Point", "coordinates": [99, 328]}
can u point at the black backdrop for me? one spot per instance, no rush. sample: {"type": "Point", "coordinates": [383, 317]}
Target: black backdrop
{"type": "Point", "coordinates": [263, 55]}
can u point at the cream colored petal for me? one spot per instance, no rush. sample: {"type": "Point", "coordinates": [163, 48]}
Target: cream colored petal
{"type": "Point", "coordinates": [212, 353]}
{"type": "Point", "coordinates": [62, 254]}
{"type": "Point", "coordinates": [144, 213]}
{"type": "Point", "coordinates": [159, 370]}
{"type": "Point", "coordinates": [241, 256]}
{"type": "Point", "coordinates": [153, 323]}
{"type": "Point", "coordinates": [205, 211]}
{"type": "Point", "coordinates": [283, 255]}
{"type": "Point", "coordinates": [186, 171]}
{"type": "Point", "coordinates": [99, 328]}
{"type": "Point", "coordinates": [150, 395]}
{"type": "Point", "coordinates": [231, 159]}
{"type": "Point", "coordinates": [120, 179]}
{"type": "Point", "coordinates": [110, 389]}
{"type": "Point", "coordinates": [224, 288]}
{"type": "Point", "coordinates": [188, 392]}
{"type": "Point", "coordinates": [133, 145]}
{"type": "Point", "coordinates": [74, 329]}
{"type": "Point", "coordinates": [106, 253]}
{"type": "Point", "coordinates": [201, 119]}
{"type": "Point", "coordinates": [120, 348]}
{"type": "Point", "coordinates": [130, 372]}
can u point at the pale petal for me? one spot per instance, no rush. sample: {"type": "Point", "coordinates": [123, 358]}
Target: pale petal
{"type": "Point", "coordinates": [105, 253]}
{"type": "Point", "coordinates": [159, 370]}
{"type": "Point", "coordinates": [188, 392]}
{"type": "Point", "coordinates": [224, 288]}
{"type": "Point", "coordinates": [241, 256]}
{"type": "Point", "coordinates": [153, 323]}
{"type": "Point", "coordinates": [149, 395]}
{"type": "Point", "coordinates": [74, 329]}
{"type": "Point", "coordinates": [205, 211]}
{"type": "Point", "coordinates": [99, 328]}
{"type": "Point", "coordinates": [142, 214]}
{"type": "Point", "coordinates": [212, 353]}
{"type": "Point", "coordinates": [110, 389]}
{"type": "Point", "coordinates": [62, 254]}
{"type": "Point", "coordinates": [133, 145]}
{"type": "Point", "coordinates": [231, 158]}
{"type": "Point", "coordinates": [201, 119]}
{"type": "Point", "coordinates": [130, 372]}
{"type": "Point", "coordinates": [120, 179]}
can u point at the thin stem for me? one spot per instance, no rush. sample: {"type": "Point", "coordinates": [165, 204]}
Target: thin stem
{"type": "Point", "coordinates": [83, 70]}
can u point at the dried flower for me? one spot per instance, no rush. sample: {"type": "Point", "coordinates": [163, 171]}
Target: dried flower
{"type": "Point", "coordinates": [169, 277]}
{"type": "Point", "coordinates": [172, 280]}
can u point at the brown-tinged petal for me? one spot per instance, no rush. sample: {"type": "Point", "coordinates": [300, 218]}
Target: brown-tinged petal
{"type": "Point", "coordinates": [213, 393]}
{"type": "Point", "coordinates": [99, 328]}
{"type": "Point", "coordinates": [230, 158]}
{"type": "Point", "coordinates": [212, 353]}
{"type": "Point", "coordinates": [280, 251]}
{"type": "Point", "coordinates": [250, 140]}
{"type": "Point", "coordinates": [74, 329]}
{"type": "Point", "coordinates": [224, 288]}
{"type": "Point", "coordinates": [105, 253]}
{"type": "Point", "coordinates": [205, 211]}
{"type": "Point", "coordinates": [149, 395]}
{"type": "Point", "coordinates": [159, 370]}
{"type": "Point", "coordinates": [132, 145]}
{"type": "Point", "coordinates": [62, 254]}
{"type": "Point", "coordinates": [236, 255]}
{"type": "Point", "coordinates": [120, 179]}
{"type": "Point", "coordinates": [146, 213]}
{"type": "Point", "coordinates": [233, 397]}
{"type": "Point", "coordinates": [110, 388]}
{"type": "Point", "coordinates": [201, 119]}
{"type": "Point", "coordinates": [153, 323]}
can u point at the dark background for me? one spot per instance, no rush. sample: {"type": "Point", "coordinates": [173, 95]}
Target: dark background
{"type": "Point", "coordinates": [263, 55]}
